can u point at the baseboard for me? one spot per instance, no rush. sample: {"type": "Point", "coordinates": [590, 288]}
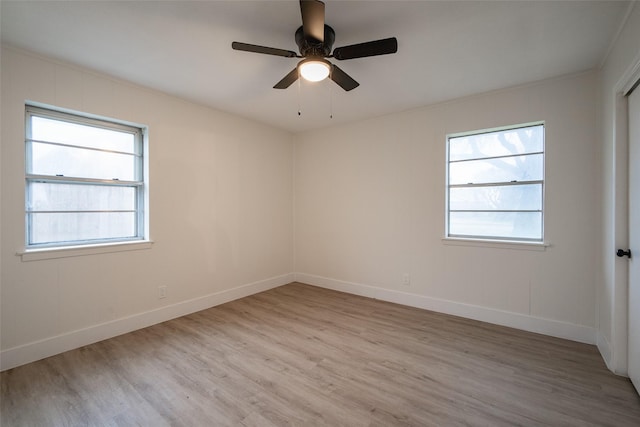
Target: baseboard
{"type": "Point", "coordinates": [41, 349]}
{"type": "Point", "coordinates": [605, 350]}
{"type": "Point", "coordinates": [37, 350]}
{"type": "Point", "coordinates": [555, 328]}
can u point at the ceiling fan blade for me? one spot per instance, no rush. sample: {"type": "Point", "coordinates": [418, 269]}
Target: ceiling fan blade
{"type": "Point", "coordinates": [312, 19]}
{"type": "Point", "coordinates": [246, 47]}
{"type": "Point", "coordinates": [342, 79]}
{"type": "Point", "coordinates": [372, 48]}
{"type": "Point", "coordinates": [287, 80]}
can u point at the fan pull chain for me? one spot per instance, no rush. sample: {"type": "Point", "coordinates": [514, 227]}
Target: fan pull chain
{"type": "Point", "coordinates": [331, 93]}
{"type": "Point", "coordinates": [330, 101]}
{"type": "Point", "coordinates": [299, 109]}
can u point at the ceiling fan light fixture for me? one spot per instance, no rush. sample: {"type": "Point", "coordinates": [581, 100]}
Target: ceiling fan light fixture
{"type": "Point", "coordinates": [314, 69]}
{"type": "Point", "coordinates": [315, 43]}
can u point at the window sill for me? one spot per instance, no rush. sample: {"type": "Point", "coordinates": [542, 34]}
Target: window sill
{"type": "Point", "coordinates": [74, 251]}
{"type": "Point", "coordinates": [496, 244]}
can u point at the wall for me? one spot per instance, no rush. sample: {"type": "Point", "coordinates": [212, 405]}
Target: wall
{"type": "Point", "coordinates": [370, 205]}
{"type": "Point", "coordinates": [612, 285]}
{"type": "Point", "coordinates": [220, 215]}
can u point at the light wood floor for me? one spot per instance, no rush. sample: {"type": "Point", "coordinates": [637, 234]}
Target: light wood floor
{"type": "Point", "coordinates": [304, 356]}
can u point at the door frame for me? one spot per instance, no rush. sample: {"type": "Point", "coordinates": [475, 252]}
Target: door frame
{"type": "Point", "coordinates": [617, 359]}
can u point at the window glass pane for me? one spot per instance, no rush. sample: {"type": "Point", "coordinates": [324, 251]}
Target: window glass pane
{"type": "Point", "coordinates": [47, 159]}
{"type": "Point", "coordinates": [485, 175]}
{"type": "Point", "coordinates": [68, 227]}
{"type": "Point", "coordinates": [78, 209]}
{"type": "Point", "coordinates": [51, 130]}
{"type": "Point", "coordinates": [75, 197]}
{"type": "Point", "coordinates": [520, 168]}
{"type": "Point", "coordinates": [508, 197]}
{"type": "Point", "coordinates": [505, 225]}
{"type": "Point", "coordinates": [499, 143]}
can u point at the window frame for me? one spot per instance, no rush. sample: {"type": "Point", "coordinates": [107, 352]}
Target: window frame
{"type": "Point", "coordinates": [139, 184]}
{"type": "Point", "coordinates": [542, 182]}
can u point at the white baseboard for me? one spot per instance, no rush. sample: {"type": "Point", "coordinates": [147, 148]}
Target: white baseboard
{"type": "Point", "coordinates": [37, 350]}
{"type": "Point", "coordinates": [612, 361]}
{"type": "Point", "coordinates": [605, 349]}
{"type": "Point", "coordinates": [555, 328]}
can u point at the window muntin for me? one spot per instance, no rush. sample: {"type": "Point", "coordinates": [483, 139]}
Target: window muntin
{"type": "Point", "coordinates": [84, 135]}
{"type": "Point", "coordinates": [496, 184]}
{"type": "Point", "coordinates": [494, 170]}
{"type": "Point", "coordinates": [84, 180]}
{"type": "Point", "coordinates": [53, 159]}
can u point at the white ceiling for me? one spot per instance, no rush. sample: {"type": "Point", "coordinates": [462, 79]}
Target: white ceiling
{"type": "Point", "coordinates": [446, 49]}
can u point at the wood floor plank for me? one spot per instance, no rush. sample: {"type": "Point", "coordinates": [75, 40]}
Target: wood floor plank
{"type": "Point", "coordinates": [299, 355]}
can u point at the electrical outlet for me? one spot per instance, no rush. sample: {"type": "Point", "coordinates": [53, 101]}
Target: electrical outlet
{"type": "Point", "coordinates": [406, 279]}
{"type": "Point", "coordinates": [162, 292]}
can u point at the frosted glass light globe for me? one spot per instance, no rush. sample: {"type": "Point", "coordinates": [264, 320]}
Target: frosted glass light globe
{"type": "Point", "coordinates": [314, 70]}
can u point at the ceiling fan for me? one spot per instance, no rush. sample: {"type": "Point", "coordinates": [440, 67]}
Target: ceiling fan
{"type": "Point", "coordinates": [315, 41]}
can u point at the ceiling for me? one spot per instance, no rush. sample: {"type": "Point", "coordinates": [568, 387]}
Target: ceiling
{"type": "Point", "coordinates": [446, 49]}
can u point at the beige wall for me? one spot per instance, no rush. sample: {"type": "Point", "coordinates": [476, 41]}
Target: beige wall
{"type": "Point", "coordinates": [612, 285]}
{"type": "Point", "coordinates": [220, 206]}
{"type": "Point", "coordinates": [370, 204]}
{"type": "Point", "coordinates": [359, 206]}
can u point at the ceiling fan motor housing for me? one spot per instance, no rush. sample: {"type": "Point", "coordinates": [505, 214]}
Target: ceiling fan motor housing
{"type": "Point", "coordinates": [313, 47]}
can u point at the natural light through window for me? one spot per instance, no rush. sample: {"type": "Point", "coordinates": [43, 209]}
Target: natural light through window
{"type": "Point", "coordinates": [496, 184]}
{"type": "Point", "coordinates": [84, 180]}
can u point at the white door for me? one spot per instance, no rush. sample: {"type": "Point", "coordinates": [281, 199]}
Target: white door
{"type": "Point", "coordinates": [634, 237]}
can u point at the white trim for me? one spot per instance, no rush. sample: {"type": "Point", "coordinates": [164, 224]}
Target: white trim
{"type": "Point", "coordinates": [73, 251]}
{"type": "Point", "coordinates": [605, 349]}
{"type": "Point", "coordinates": [620, 190]}
{"type": "Point", "coordinates": [496, 129]}
{"type": "Point", "coordinates": [61, 112]}
{"type": "Point", "coordinates": [37, 350]}
{"type": "Point", "coordinates": [554, 328]}
{"type": "Point", "coordinates": [449, 186]}
{"type": "Point", "coordinates": [630, 77]}
{"type": "Point", "coordinates": [496, 244]}
{"type": "Point", "coordinates": [617, 358]}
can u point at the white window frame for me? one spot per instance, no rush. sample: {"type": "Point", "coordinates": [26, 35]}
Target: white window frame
{"type": "Point", "coordinates": [481, 239]}
{"type": "Point", "coordinates": [140, 184]}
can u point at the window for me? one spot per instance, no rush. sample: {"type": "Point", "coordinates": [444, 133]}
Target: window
{"type": "Point", "coordinates": [84, 180]}
{"type": "Point", "coordinates": [496, 184]}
